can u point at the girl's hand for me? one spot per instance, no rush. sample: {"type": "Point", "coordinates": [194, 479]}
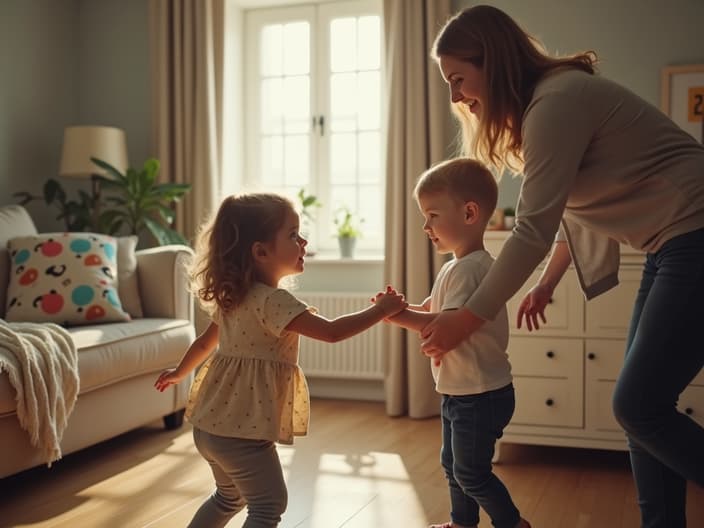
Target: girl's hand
{"type": "Point", "coordinates": [533, 305]}
{"type": "Point", "coordinates": [166, 378]}
{"type": "Point", "coordinates": [391, 302]}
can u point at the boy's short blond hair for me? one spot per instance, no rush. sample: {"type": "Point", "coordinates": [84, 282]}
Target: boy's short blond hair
{"type": "Point", "coordinates": [464, 179]}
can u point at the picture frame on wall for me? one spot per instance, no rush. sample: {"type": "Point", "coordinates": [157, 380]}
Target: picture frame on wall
{"type": "Point", "coordinates": [683, 97]}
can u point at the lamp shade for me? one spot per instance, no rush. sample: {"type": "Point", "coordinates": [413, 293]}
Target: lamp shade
{"type": "Point", "coordinates": [83, 142]}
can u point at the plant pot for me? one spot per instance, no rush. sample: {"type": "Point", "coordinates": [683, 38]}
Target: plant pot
{"type": "Point", "coordinates": [347, 246]}
{"type": "Point", "coordinates": [509, 222]}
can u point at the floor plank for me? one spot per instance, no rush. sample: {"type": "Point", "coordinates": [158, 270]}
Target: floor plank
{"type": "Point", "coordinates": [358, 468]}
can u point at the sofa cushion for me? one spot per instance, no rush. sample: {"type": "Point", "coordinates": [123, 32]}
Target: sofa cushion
{"type": "Point", "coordinates": [64, 278]}
{"type": "Point", "coordinates": [109, 353]}
{"type": "Point", "coordinates": [128, 281]}
{"type": "Point", "coordinates": [14, 221]}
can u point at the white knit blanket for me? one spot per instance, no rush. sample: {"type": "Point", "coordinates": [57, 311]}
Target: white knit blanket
{"type": "Point", "coordinates": [42, 363]}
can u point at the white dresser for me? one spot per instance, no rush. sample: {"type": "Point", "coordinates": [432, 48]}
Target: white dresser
{"type": "Point", "coordinates": [564, 373]}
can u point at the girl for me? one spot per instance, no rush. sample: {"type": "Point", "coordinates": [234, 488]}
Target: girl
{"type": "Point", "coordinates": [251, 392]}
{"type": "Point", "coordinates": [602, 166]}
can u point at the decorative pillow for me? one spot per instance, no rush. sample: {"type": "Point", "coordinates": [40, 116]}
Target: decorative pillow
{"type": "Point", "coordinates": [127, 283]}
{"type": "Point", "coordinates": [64, 278]}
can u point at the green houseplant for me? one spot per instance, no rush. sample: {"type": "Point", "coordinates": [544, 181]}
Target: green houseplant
{"type": "Point", "coordinates": [348, 230]}
{"type": "Point", "coordinates": [140, 203]}
{"type": "Point", "coordinates": [509, 217]}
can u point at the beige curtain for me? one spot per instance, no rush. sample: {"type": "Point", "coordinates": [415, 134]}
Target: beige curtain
{"type": "Point", "coordinates": [187, 45]}
{"type": "Point", "coordinates": [417, 123]}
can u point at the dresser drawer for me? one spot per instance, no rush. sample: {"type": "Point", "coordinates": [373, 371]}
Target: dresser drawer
{"type": "Point", "coordinates": [545, 357]}
{"type": "Point", "coordinates": [609, 314]}
{"type": "Point", "coordinates": [604, 358]}
{"type": "Point", "coordinates": [692, 403]}
{"type": "Point", "coordinates": [600, 415]}
{"type": "Point", "coordinates": [548, 402]}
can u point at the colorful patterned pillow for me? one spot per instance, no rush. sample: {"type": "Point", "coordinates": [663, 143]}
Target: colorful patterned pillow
{"type": "Point", "coordinates": [64, 278]}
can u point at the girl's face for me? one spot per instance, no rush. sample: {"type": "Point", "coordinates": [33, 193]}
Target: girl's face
{"type": "Point", "coordinates": [288, 248]}
{"type": "Point", "coordinates": [466, 81]}
{"type": "Point", "coordinates": [446, 222]}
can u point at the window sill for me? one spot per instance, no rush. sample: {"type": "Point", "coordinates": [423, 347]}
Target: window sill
{"type": "Point", "coordinates": [335, 258]}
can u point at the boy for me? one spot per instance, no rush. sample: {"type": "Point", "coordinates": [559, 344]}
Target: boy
{"type": "Point", "coordinates": [457, 198]}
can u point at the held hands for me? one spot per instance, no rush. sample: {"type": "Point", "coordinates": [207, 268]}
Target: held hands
{"type": "Point", "coordinates": [533, 305]}
{"type": "Point", "coordinates": [166, 378]}
{"type": "Point", "coordinates": [390, 301]}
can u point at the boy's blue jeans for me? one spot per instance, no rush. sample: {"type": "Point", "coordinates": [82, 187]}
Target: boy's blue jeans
{"type": "Point", "coordinates": [470, 427]}
{"type": "Point", "coordinates": [664, 352]}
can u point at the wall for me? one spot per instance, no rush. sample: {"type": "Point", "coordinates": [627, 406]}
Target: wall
{"type": "Point", "coordinates": [67, 62]}
{"type": "Point", "coordinates": [38, 45]}
{"type": "Point", "coordinates": [634, 39]}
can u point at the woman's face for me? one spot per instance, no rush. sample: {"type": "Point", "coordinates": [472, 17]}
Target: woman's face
{"type": "Point", "coordinates": [466, 82]}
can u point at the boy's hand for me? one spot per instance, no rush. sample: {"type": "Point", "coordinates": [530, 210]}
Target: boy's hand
{"type": "Point", "coordinates": [391, 302]}
{"type": "Point", "coordinates": [166, 378]}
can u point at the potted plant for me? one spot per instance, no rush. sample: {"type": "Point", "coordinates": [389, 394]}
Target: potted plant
{"type": "Point", "coordinates": [509, 217]}
{"type": "Point", "coordinates": [348, 230]}
{"type": "Point", "coordinates": [140, 203]}
{"type": "Point", "coordinates": [307, 203]}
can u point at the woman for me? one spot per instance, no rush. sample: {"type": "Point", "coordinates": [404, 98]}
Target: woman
{"type": "Point", "coordinates": [600, 167]}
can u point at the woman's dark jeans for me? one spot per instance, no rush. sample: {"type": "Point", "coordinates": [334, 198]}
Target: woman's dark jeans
{"type": "Point", "coordinates": [664, 352]}
{"type": "Point", "coordinates": [470, 427]}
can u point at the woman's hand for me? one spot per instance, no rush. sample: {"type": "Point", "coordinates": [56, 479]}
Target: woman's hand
{"type": "Point", "coordinates": [533, 306]}
{"type": "Point", "coordinates": [446, 331]}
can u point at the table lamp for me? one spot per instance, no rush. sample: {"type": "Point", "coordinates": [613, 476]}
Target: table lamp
{"type": "Point", "coordinates": [83, 142]}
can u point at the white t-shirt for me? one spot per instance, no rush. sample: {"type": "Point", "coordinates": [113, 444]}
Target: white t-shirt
{"type": "Point", "coordinates": [480, 363]}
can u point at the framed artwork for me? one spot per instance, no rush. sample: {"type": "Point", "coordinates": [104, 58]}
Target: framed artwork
{"type": "Point", "coordinates": [683, 97]}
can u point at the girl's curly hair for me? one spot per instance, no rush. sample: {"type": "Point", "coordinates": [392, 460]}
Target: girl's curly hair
{"type": "Point", "coordinates": [223, 269]}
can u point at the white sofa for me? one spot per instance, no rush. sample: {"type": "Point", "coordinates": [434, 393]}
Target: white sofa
{"type": "Point", "coordinates": [117, 362]}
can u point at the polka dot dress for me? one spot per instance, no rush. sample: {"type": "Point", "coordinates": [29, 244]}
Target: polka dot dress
{"type": "Point", "coordinates": [252, 386]}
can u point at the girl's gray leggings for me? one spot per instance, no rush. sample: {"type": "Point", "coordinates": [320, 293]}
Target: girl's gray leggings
{"type": "Point", "coordinates": [247, 473]}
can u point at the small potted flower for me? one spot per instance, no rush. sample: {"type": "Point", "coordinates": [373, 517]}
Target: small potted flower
{"type": "Point", "coordinates": [348, 230]}
{"type": "Point", "coordinates": [509, 217]}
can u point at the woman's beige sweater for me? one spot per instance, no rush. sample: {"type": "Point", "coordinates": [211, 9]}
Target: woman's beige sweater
{"type": "Point", "coordinates": [606, 165]}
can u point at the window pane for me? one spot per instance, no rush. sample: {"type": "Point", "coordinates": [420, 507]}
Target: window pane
{"type": "Point", "coordinates": [297, 160]}
{"type": "Point", "coordinates": [343, 101]}
{"type": "Point", "coordinates": [369, 92]}
{"type": "Point", "coordinates": [271, 50]}
{"type": "Point", "coordinates": [272, 160]}
{"type": "Point", "coordinates": [369, 157]}
{"type": "Point", "coordinates": [271, 105]}
{"type": "Point", "coordinates": [296, 48]}
{"type": "Point", "coordinates": [343, 44]}
{"type": "Point", "coordinates": [370, 208]}
{"type": "Point", "coordinates": [343, 158]}
{"type": "Point", "coordinates": [369, 54]}
{"type": "Point", "coordinates": [297, 107]}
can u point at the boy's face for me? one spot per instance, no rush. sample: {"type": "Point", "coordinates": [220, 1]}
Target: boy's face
{"type": "Point", "coordinates": [450, 223]}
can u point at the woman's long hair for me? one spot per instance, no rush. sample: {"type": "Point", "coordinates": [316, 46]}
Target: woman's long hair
{"type": "Point", "coordinates": [513, 62]}
{"type": "Point", "coordinates": [223, 269]}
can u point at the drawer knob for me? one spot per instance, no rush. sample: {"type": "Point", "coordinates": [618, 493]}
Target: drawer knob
{"type": "Point", "coordinates": [549, 402]}
{"type": "Point", "coordinates": [689, 411]}
{"type": "Point", "coordinates": [550, 354]}
{"type": "Point", "coordinates": [591, 355]}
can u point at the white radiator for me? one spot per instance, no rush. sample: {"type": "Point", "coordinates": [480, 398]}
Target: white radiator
{"type": "Point", "coordinates": [359, 357]}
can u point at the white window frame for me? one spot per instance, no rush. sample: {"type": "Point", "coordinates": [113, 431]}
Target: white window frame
{"type": "Point", "coordinates": [318, 16]}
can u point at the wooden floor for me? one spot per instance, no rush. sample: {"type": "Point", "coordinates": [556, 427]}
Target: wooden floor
{"type": "Point", "coordinates": [358, 468]}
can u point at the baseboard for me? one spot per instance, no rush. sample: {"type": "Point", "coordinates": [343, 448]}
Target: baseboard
{"type": "Point", "coordinates": [366, 390]}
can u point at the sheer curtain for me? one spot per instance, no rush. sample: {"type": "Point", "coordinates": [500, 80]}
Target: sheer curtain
{"type": "Point", "coordinates": [417, 122]}
{"type": "Point", "coordinates": [187, 47]}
